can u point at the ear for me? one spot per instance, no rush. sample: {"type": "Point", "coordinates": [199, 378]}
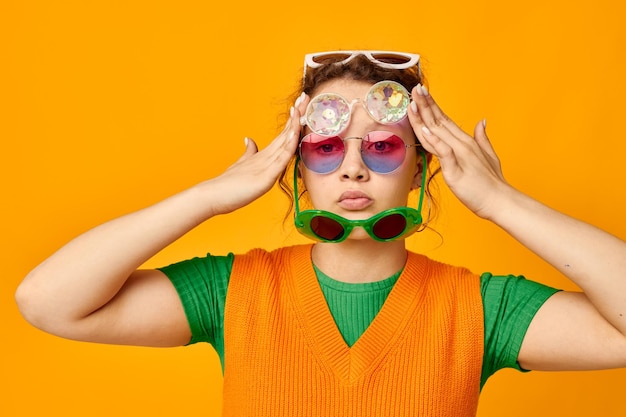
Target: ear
{"type": "Point", "coordinates": [420, 170]}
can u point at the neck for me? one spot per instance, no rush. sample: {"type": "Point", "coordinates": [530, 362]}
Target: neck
{"type": "Point", "coordinates": [359, 261]}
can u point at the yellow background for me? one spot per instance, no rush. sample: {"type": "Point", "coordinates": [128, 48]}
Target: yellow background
{"type": "Point", "coordinates": [109, 106]}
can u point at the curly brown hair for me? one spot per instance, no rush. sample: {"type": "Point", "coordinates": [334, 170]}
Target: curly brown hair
{"type": "Point", "coordinates": [360, 68]}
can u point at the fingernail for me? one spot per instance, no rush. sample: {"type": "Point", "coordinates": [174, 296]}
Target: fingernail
{"type": "Point", "coordinates": [418, 89]}
{"type": "Point", "coordinates": [413, 107]}
{"type": "Point", "coordinates": [484, 123]}
{"type": "Point", "coordinates": [426, 130]}
{"type": "Point", "coordinates": [424, 90]}
{"type": "Point", "coordinates": [299, 99]}
{"type": "Point", "coordinates": [291, 110]}
{"type": "Point", "coordinates": [245, 141]}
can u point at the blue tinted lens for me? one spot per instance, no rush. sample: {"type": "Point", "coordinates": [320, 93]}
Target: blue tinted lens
{"type": "Point", "coordinates": [383, 152]}
{"type": "Point", "coordinates": [321, 154]}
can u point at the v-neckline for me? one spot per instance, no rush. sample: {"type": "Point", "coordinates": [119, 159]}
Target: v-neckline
{"type": "Point", "coordinates": [350, 363]}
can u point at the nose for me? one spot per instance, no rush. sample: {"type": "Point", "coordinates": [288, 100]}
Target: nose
{"type": "Point", "coordinates": [352, 167]}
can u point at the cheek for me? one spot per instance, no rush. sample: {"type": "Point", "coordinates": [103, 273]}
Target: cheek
{"type": "Point", "coordinates": [409, 168]}
{"type": "Point", "coordinates": [315, 185]}
{"type": "Point", "coordinates": [398, 193]}
{"type": "Point", "coordinates": [400, 185]}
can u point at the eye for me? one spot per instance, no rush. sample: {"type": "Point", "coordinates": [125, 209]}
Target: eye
{"type": "Point", "coordinates": [326, 147]}
{"type": "Point", "coordinates": [382, 143]}
{"type": "Point", "coordinates": [381, 146]}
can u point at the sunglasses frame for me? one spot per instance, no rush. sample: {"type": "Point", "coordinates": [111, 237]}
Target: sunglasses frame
{"type": "Point", "coordinates": [406, 96]}
{"type": "Point", "coordinates": [413, 217]}
{"type": "Point", "coordinates": [362, 138]}
{"type": "Point", "coordinates": [413, 59]}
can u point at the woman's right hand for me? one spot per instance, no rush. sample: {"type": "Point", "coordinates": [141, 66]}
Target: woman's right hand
{"type": "Point", "coordinates": [91, 290]}
{"type": "Point", "coordinates": [256, 171]}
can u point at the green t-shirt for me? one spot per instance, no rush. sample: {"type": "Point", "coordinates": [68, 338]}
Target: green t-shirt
{"type": "Point", "coordinates": [509, 304]}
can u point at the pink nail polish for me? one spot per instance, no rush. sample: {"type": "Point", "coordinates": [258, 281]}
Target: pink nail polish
{"type": "Point", "coordinates": [426, 130]}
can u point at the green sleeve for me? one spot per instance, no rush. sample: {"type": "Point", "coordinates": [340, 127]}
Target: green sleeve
{"type": "Point", "coordinates": [201, 284]}
{"type": "Point", "coordinates": [509, 303]}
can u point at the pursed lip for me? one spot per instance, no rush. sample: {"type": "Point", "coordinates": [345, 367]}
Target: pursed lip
{"type": "Point", "coordinates": [354, 200]}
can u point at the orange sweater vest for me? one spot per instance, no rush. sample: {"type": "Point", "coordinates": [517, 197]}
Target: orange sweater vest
{"type": "Point", "coordinates": [284, 356]}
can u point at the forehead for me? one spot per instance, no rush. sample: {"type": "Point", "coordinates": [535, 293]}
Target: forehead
{"type": "Point", "coordinates": [350, 89]}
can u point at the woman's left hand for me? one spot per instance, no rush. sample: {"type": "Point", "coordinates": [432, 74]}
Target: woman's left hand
{"type": "Point", "coordinates": [469, 164]}
{"type": "Point", "coordinates": [571, 331]}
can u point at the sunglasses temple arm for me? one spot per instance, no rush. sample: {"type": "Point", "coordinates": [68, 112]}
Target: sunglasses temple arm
{"type": "Point", "coordinates": [421, 200]}
{"type": "Point", "coordinates": [295, 187]}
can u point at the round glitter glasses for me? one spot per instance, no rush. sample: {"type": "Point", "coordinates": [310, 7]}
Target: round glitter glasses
{"type": "Point", "coordinates": [328, 114]}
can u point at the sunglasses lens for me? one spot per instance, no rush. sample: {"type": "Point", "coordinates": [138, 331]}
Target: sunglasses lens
{"type": "Point", "coordinates": [328, 114]}
{"type": "Point", "coordinates": [387, 102]}
{"type": "Point", "coordinates": [327, 228]}
{"type": "Point", "coordinates": [391, 58]}
{"type": "Point", "coordinates": [321, 154]}
{"type": "Point", "coordinates": [383, 152]}
{"type": "Point", "coordinates": [330, 57]}
{"type": "Point", "coordinates": [390, 226]}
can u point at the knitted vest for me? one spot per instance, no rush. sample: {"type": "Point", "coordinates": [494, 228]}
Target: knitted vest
{"type": "Point", "coordinates": [284, 356]}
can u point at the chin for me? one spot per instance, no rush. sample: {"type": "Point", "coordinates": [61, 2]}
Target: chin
{"type": "Point", "coordinates": [359, 234]}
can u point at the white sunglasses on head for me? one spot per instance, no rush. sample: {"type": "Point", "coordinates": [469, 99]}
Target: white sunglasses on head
{"type": "Point", "coordinates": [384, 59]}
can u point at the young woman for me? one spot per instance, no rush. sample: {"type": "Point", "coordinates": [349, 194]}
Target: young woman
{"type": "Point", "coordinates": [353, 324]}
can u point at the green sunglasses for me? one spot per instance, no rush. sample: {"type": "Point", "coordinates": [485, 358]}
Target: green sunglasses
{"type": "Point", "coordinates": [390, 224]}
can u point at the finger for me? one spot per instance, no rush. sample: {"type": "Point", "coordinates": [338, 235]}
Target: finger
{"type": "Point", "coordinates": [480, 135]}
{"type": "Point", "coordinates": [251, 146]}
{"type": "Point", "coordinates": [301, 105]}
{"type": "Point", "coordinates": [426, 124]}
{"type": "Point", "coordinates": [251, 149]}
{"type": "Point", "coordinates": [292, 130]}
{"type": "Point", "coordinates": [433, 144]}
{"type": "Point", "coordinates": [417, 125]}
{"type": "Point", "coordinates": [432, 115]}
{"type": "Point", "coordinates": [284, 146]}
{"type": "Point", "coordinates": [415, 119]}
{"type": "Point", "coordinates": [302, 102]}
{"type": "Point", "coordinates": [286, 136]}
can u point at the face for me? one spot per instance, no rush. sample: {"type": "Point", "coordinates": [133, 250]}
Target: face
{"type": "Point", "coordinates": [353, 190]}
